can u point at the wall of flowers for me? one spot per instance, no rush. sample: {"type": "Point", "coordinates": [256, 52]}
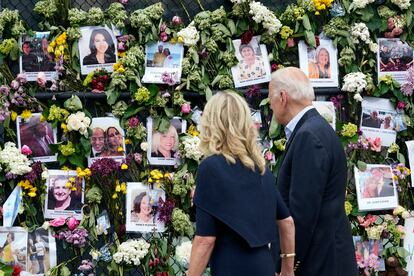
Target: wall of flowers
{"type": "Point", "coordinates": [99, 113]}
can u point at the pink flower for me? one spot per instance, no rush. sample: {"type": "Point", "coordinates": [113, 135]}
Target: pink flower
{"type": "Point", "coordinates": [268, 155]}
{"type": "Point", "coordinates": [41, 79]}
{"type": "Point", "coordinates": [26, 150]}
{"type": "Point", "coordinates": [375, 144]}
{"type": "Point", "coordinates": [367, 221]}
{"type": "Point", "coordinates": [274, 67]}
{"type": "Point", "coordinates": [290, 42]}
{"type": "Point", "coordinates": [401, 229]}
{"type": "Point", "coordinates": [163, 27]}
{"type": "Point", "coordinates": [121, 46]}
{"type": "Point", "coordinates": [124, 2]}
{"type": "Point", "coordinates": [401, 105]}
{"type": "Point", "coordinates": [22, 78]}
{"type": "Point", "coordinates": [176, 20]}
{"type": "Point", "coordinates": [15, 84]}
{"type": "Point", "coordinates": [57, 222]}
{"type": "Point", "coordinates": [72, 223]}
{"type": "Point", "coordinates": [163, 36]}
{"type": "Point", "coordinates": [185, 108]}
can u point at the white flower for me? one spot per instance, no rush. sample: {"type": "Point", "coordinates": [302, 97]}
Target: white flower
{"type": "Point", "coordinates": [403, 4]}
{"type": "Point", "coordinates": [360, 4]}
{"type": "Point", "coordinates": [354, 82]}
{"type": "Point", "coordinates": [373, 47]}
{"type": "Point", "coordinates": [405, 214]}
{"type": "Point", "coordinates": [13, 160]}
{"type": "Point", "coordinates": [46, 225]}
{"type": "Point", "coordinates": [183, 253]}
{"type": "Point", "coordinates": [131, 252]}
{"type": "Point", "coordinates": [261, 14]}
{"type": "Point", "coordinates": [360, 33]}
{"type": "Point", "coordinates": [79, 122]}
{"type": "Point", "coordinates": [191, 148]}
{"type": "Point", "coordinates": [144, 146]}
{"type": "Point", "coordinates": [374, 232]}
{"type": "Point", "coordinates": [95, 254]}
{"type": "Point", "coordinates": [45, 174]}
{"type": "Point", "coordinates": [357, 97]}
{"type": "Point", "coordinates": [189, 35]}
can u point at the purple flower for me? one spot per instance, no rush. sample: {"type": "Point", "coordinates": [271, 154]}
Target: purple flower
{"type": "Point", "coordinates": [203, 54]}
{"type": "Point", "coordinates": [407, 88]}
{"type": "Point", "coordinates": [253, 91]}
{"type": "Point", "coordinates": [104, 167]}
{"type": "Point", "coordinates": [168, 78]}
{"type": "Point", "coordinates": [4, 89]}
{"type": "Point", "coordinates": [15, 84]}
{"type": "Point", "coordinates": [133, 122]}
{"type": "Point", "coordinates": [35, 173]}
{"type": "Point", "coordinates": [21, 78]}
{"type": "Point", "coordinates": [85, 266]}
{"type": "Point", "coordinates": [121, 46]}
{"type": "Point", "coordinates": [76, 237]}
{"type": "Point", "coordinates": [165, 209]}
{"type": "Point", "coordinates": [176, 20]}
{"type": "Point", "coordinates": [10, 176]}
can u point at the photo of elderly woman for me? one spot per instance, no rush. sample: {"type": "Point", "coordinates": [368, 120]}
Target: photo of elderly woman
{"type": "Point", "coordinates": [254, 66]}
{"type": "Point", "coordinates": [97, 49]}
{"type": "Point", "coordinates": [64, 194]}
{"type": "Point", "coordinates": [13, 246]}
{"type": "Point", "coordinates": [164, 144]}
{"type": "Point", "coordinates": [319, 67]}
{"type": "Point", "coordinates": [142, 206]}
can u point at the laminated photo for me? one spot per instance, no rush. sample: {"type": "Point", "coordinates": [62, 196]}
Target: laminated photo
{"type": "Point", "coordinates": [375, 188]}
{"type": "Point", "coordinates": [37, 135]}
{"type": "Point", "coordinates": [97, 49]}
{"type": "Point", "coordinates": [327, 110]}
{"type": "Point", "coordinates": [368, 252]}
{"type": "Point", "coordinates": [394, 58]}
{"type": "Point", "coordinates": [41, 251]}
{"type": "Point", "coordinates": [320, 64]}
{"type": "Point", "coordinates": [107, 139]}
{"type": "Point", "coordinates": [35, 57]}
{"type": "Point", "coordinates": [163, 63]}
{"type": "Point", "coordinates": [410, 152]}
{"type": "Point", "coordinates": [378, 120]}
{"type": "Point", "coordinates": [13, 246]}
{"type": "Point", "coordinates": [65, 194]}
{"type": "Point", "coordinates": [142, 208]}
{"type": "Point", "coordinates": [163, 146]}
{"type": "Point", "coordinates": [253, 66]}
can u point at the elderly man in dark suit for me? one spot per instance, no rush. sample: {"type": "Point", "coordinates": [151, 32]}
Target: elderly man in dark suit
{"type": "Point", "coordinates": [312, 180]}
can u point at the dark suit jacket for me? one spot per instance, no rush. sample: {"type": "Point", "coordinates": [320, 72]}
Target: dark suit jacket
{"type": "Point", "coordinates": [312, 181]}
{"type": "Point", "coordinates": [387, 190]}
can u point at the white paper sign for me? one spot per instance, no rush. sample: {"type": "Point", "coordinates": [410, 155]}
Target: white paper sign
{"type": "Point", "coordinates": [11, 207]}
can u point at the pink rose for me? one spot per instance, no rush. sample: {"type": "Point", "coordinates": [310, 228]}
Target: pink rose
{"type": "Point", "coordinates": [268, 155]}
{"type": "Point", "coordinates": [375, 144]}
{"type": "Point", "coordinates": [26, 150]}
{"type": "Point", "coordinates": [57, 222]}
{"type": "Point", "coordinates": [163, 27]}
{"type": "Point", "coordinates": [72, 223]}
{"type": "Point", "coordinates": [176, 20]}
{"type": "Point", "coordinates": [185, 108]}
{"type": "Point", "coordinates": [41, 79]}
{"type": "Point", "coordinates": [401, 105]}
{"type": "Point", "coordinates": [163, 36]}
{"type": "Point", "coordinates": [291, 42]}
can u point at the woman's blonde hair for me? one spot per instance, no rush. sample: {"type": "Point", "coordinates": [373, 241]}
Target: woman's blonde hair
{"type": "Point", "coordinates": [227, 128]}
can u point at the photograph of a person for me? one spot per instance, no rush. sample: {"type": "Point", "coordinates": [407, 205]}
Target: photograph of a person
{"type": "Point", "coordinates": [13, 246]}
{"type": "Point", "coordinates": [41, 251]}
{"type": "Point", "coordinates": [327, 111]}
{"type": "Point", "coordinates": [394, 58]}
{"type": "Point", "coordinates": [376, 182]}
{"type": "Point", "coordinates": [142, 206]}
{"type": "Point", "coordinates": [163, 146]}
{"type": "Point", "coordinates": [378, 119]}
{"type": "Point", "coordinates": [320, 64]}
{"type": "Point", "coordinates": [37, 135]}
{"type": "Point", "coordinates": [97, 49]}
{"type": "Point", "coordinates": [107, 139]}
{"type": "Point", "coordinates": [368, 250]}
{"type": "Point", "coordinates": [163, 58]}
{"type": "Point", "coordinates": [253, 66]}
{"type": "Point", "coordinates": [35, 57]}
{"type": "Point", "coordinates": [65, 194]}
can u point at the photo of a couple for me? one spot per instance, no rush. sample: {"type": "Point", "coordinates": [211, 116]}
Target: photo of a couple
{"type": "Point", "coordinates": [161, 58]}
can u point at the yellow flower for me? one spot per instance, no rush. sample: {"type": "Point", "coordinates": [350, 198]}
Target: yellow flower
{"type": "Point", "coordinates": [173, 40]}
{"type": "Point", "coordinates": [128, 141]}
{"type": "Point", "coordinates": [280, 144]}
{"type": "Point", "coordinates": [52, 44]}
{"type": "Point", "coordinates": [69, 185]}
{"type": "Point", "coordinates": [26, 114]}
{"type": "Point", "coordinates": [65, 168]}
{"type": "Point", "coordinates": [120, 149]}
{"type": "Point", "coordinates": [124, 166]}
{"type": "Point", "coordinates": [32, 194]}
{"type": "Point", "coordinates": [118, 188]}
{"type": "Point", "coordinates": [87, 172]}
{"type": "Point", "coordinates": [180, 40]}
{"type": "Point", "coordinates": [13, 115]}
{"type": "Point", "coordinates": [115, 195]}
{"type": "Point", "coordinates": [50, 49]}
{"type": "Point", "coordinates": [150, 180]}
{"type": "Point", "coordinates": [61, 48]}
{"type": "Point", "coordinates": [192, 130]}
{"type": "Point", "coordinates": [121, 69]}
{"type": "Point", "coordinates": [349, 130]}
{"type": "Point", "coordinates": [64, 127]}
{"type": "Point", "coordinates": [121, 54]}
{"type": "Point", "coordinates": [348, 207]}
{"type": "Point", "coordinates": [123, 187]}
{"type": "Point", "coordinates": [61, 39]}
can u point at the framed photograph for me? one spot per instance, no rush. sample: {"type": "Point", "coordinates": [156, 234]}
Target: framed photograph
{"type": "Point", "coordinates": [254, 66]}
{"type": "Point", "coordinates": [394, 57]}
{"type": "Point", "coordinates": [257, 118]}
{"type": "Point", "coordinates": [378, 120]}
{"type": "Point", "coordinates": [265, 146]}
{"type": "Point", "coordinates": [163, 58]}
{"type": "Point", "coordinates": [367, 251]}
{"type": "Point", "coordinates": [65, 194]}
{"type": "Point", "coordinates": [141, 207]}
{"type": "Point", "coordinates": [164, 146]}
{"type": "Point", "coordinates": [41, 251]}
{"type": "Point", "coordinates": [35, 58]}
{"type": "Point", "coordinates": [97, 49]}
{"type": "Point", "coordinates": [13, 246]}
{"type": "Point", "coordinates": [320, 64]}
{"type": "Point", "coordinates": [37, 135]}
{"type": "Point", "coordinates": [107, 139]}
{"type": "Point", "coordinates": [327, 110]}
{"type": "Point", "coordinates": [103, 220]}
{"type": "Point", "coordinates": [410, 151]}
{"type": "Point", "coordinates": [376, 188]}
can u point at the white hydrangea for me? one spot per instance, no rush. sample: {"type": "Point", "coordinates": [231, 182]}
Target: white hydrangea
{"type": "Point", "coordinates": [131, 252]}
{"type": "Point", "coordinates": [373, 47]}
{"type": "Point", "coordinates": [191, 149]}
{"type": "Point", "coordinates": [360, 4]}
{"type": "Point", "coordinates": [79, 122]}
{"type": "Point", "coordinates": [360, 32]}
{"type": "Point", "coordinates": [13, 160]}
{"type": "Point", "coordinates": [189, 35]}
{"type": "Point", "coordinates": [262, 14]}
{"type": "Point", "coordinates": [183, 253]}
{"type": "Point", "coordinates": [403, 4]}
{"type": "Point", "coordinates": [354, 82]}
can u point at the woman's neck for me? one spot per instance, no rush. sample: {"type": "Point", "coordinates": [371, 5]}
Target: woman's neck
{"type": "Point", "coordinates": [144, 217]}
{"type": "Point", "coordinates": [250, 60]}
{"type": "Point", "coordinates": [62, 205]}
{"type": "Point", "coordinates": [100, 57]}
{"type": "Point", "coordinates": [165, 153]}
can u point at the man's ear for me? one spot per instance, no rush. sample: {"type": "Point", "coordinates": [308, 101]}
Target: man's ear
{"type": "Point", "coordinates": [283, 97]}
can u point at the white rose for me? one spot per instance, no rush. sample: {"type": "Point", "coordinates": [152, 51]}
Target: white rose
{"type": "Point", "coordinates": [144, 146]}
{"type": "Point", "coordinates": [73, 122]}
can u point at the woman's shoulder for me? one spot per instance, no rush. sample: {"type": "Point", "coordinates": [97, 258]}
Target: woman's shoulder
{"type": "Point", "coordinates": [90, 59]}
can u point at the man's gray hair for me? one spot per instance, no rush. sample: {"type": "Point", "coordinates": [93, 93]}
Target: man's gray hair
{"type": "Point", "coordinates": [294, 82]}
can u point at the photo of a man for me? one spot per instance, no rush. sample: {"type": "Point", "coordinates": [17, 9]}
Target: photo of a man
{"type": "Point", "coordinates": [97, 141]}
{"type": "Point", "coordinates": [159, 57]}
{"type": "Point", "coordinates": [372, 120]}
{"type": "Point", "coordinates": [29, 60]}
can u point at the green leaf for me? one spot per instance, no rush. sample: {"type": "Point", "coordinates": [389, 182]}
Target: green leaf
{"type": "Point", "coordinates": [112, 95]}
{"type": "Point", "coordinates": [61, 159]}
{"type": "Point", "coordinates": [265, 101]}
{"type": "Point", "coordinates": [132, 110]}
{"type": "Point", "coordinates": [76, 159]}
{"type": "Point", "coordinates": [64, 271]}
{"type": "Point", "coordinates": [232, 26]}
{"type": "Point", "coordinates": [362, 166]}
{"type": "Point", "coordinates": [209, 93]}
{"type": "Point", "coordinates": [216, 79]}
{"type": "Point", "coordinates": [283, 43]}
{"type": "Point", "coordinates": [195, 57]}
{"type": "Point", "coordinates": [223, 29]}
{"type": "Point", "coordinates": [164, 125]}
{"type": "Point", "coordinates": [402, 252]}
{"type": "Point", "coordinates": [310, 38]}
{"type": "Point", "coordinates": [274, 128]}
{"type": "Point", "coordinates": [75, 51]}
{"type": "Point", "coordinates": [306, 23]}
{"type": "Point", "coordinates": [401, 158]}
{"type": "Point", "coordinates": [169, 112]}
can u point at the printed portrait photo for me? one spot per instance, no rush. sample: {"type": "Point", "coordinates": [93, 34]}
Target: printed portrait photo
{"type": "Point", "coordinates": [65, 194]}
{"type": "Point", "coordinates": [13, 246]}
{"type": "Point", "coordinates": [320, 64]}
{"type": "Point", "coordinates": [35, 58]}
{"type": "Point", "coordinates": [366, 251]}
{"type": "Point", "coordinates": [327, 110]}
{"type": "Point", "coordinates": [37, 135]}
{"type": "Point", "coordinates": [394, 58]}
{"type": "Point", "coordinates": [97, 49]}
{"type": "Point", "coordinates": [254, 66]}
{"type": "Point", "coordinates": [142, 208]}
{"type": "Point", "coordinates": [164, 145]}
{"type": "Point", "coordinates": [107, 139]}
{"type": "Point", "coordinates": [375, 183]}
{"type": "Point", "coordinates": [41, 251]}
{"type": "Point", "coordinates": [163, 62]}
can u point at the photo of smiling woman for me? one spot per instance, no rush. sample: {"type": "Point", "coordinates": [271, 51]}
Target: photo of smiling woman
{"type": "Point", "coordinates": [320, 68]}
{"type": "Point", "coordinates": [142, 209]}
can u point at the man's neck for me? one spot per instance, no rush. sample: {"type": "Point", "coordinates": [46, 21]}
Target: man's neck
{"type": "Point", "coordinates": [294, 110]}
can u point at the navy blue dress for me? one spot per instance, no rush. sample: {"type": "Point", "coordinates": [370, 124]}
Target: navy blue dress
{"type": "Point", "coordinates": [239, 207]}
